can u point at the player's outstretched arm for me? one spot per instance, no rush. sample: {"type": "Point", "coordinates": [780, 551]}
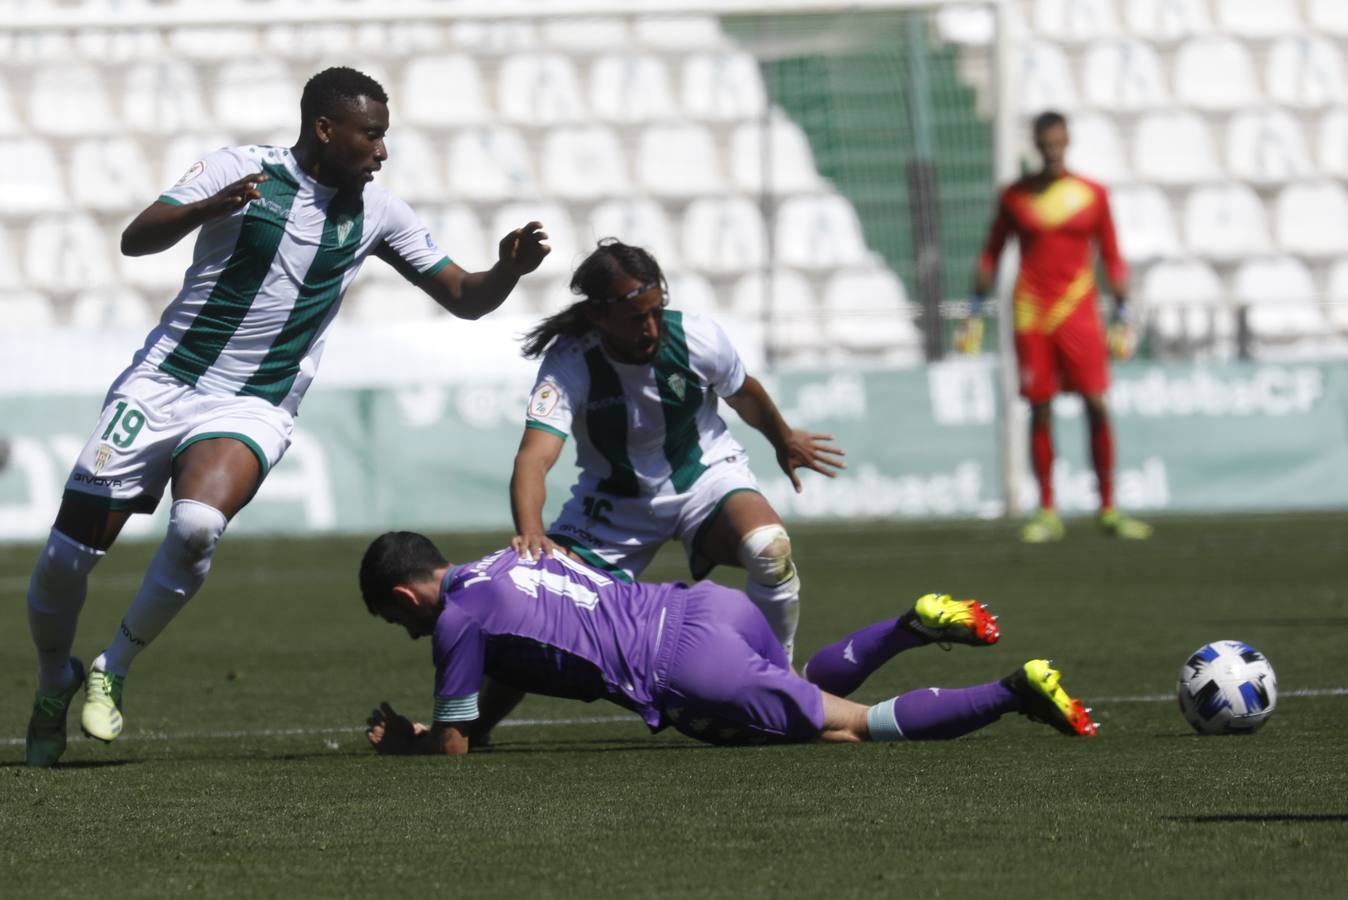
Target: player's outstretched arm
{"type": "Point", "coordinates": [393, 734]}
{"type": "Point", "coordinates": [795, 449]}
{"type": "Point", "coordinates": [161, 225]}
{"type": "Point", "coordinates": [471, 295]}
{"type": "Point", "coordinates": [536, 456]}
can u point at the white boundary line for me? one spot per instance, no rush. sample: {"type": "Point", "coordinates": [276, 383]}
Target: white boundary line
{"type": "Point", "coordinates": [584, 720]}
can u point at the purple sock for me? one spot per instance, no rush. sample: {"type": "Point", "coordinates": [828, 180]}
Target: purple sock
{"type": "Point", "coordinates": [841, 668]}
{"type": "Point", "coordinates": [936, 714]}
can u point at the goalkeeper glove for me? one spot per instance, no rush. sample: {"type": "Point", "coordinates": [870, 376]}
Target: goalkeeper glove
{"type": "Point", "coordinates": [1121, 337]}
{"type": "Point", "coordinates": [969, 335]}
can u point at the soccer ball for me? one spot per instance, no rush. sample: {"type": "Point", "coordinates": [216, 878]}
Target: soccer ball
{"type": "Point", "coordinates": [1227, 687]}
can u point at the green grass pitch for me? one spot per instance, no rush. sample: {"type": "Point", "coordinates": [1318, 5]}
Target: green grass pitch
{"type": "Point", "coordinates": [243, 772]}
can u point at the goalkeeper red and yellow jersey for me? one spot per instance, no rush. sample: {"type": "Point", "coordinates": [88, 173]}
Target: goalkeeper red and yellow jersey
{"type": "Point", "coordinates": [1055, 227]}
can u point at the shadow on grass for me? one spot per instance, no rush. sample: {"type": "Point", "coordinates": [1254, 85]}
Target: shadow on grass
{"type": "Point", "coordinates": [84, 764]}
{"type": "Point", "coordinates": [1260, 817]}
{"type": "Point", "coordinates": [601, 745]}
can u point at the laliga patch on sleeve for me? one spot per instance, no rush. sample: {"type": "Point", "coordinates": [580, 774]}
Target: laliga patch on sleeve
{"type": "Point", "coordinates": [544, 400]}
{"type": "Point", "coordinates": [197, 168]}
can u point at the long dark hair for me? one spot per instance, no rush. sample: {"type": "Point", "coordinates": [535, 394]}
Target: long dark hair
{"type": "Point", "coordinates": [593, 282]}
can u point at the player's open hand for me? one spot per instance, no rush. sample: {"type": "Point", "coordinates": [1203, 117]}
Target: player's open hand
{"type": "Point", "coordinates": [523, 249]}
{"type": "Point", "coordinates": [535, 545]}
{"type": "Point", "coordinates": [969, 336]}
{"type": "Point", "coordinates": [1122, 339]}
{"type": "Point", "coordinates": [390, 732]}
{"type": "Point", "coordinates": [809, 450]}
{"type": "Point", "coordinates": [236, 195]}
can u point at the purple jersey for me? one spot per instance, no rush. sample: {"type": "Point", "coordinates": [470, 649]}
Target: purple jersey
{"type": "Point", "coordinates": [554, 627]}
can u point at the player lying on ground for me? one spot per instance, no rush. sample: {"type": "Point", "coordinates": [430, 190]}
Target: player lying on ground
{"type": "Point", "coordinates": [639, 386]}
{"type": "Point", "coordinates": [699, 658]}
{"type": "Point", "coordinates": [207, 406]}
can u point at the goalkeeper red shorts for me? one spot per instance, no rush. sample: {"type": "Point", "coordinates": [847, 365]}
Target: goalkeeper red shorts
{"type": "Point", "coordinates": [1070, 358]}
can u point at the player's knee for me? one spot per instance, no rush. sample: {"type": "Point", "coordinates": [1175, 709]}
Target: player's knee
{"type": "Point", "coordinates": [63, 565]}
{"type": "Point", "coordinates": [193, 532]}
{"type": "Point", "coordinates": [765, 554]}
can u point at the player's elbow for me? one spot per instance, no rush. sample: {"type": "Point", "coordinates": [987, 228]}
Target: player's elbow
{"type": "Point", "coordinates": [133, 244]}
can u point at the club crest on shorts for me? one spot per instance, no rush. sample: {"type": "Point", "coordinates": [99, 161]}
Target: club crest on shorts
{"type": "Point", "coordinates": [677, 385]}
{"type": "Point", "coordinates": [101, 457]}
{"type": "Point", "coordinates": [544, 400]}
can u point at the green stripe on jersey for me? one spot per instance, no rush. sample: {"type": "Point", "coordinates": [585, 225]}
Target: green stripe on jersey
{"type": "Point", "coordinates": [321, 289]}
{"type": "Point", "coordinates": [606, 421]}
{"type": "Point", "coordinates": [680, 396]}
{"type": "Point", "coordinates": [264, 224]}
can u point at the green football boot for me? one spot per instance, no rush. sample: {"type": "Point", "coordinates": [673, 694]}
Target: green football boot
{"type": "Point", "coordinates": [1116, 524]}
{"type": "Point", "coordinates": [101, 717]}
{"type": "Point", "coordinates": [47, 726]}
{"type": "Point", "coordinates": [1044, 527]}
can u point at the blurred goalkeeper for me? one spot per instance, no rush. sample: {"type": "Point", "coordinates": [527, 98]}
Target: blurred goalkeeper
{"type": "Point", "coordinates": [1060, 345]}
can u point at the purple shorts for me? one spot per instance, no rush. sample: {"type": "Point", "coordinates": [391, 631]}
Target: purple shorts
{"type": "Point", "coordinates": [729, 681]}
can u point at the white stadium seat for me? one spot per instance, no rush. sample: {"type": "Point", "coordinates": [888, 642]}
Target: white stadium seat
{"type": "Point", "coordinates": [583, 163]}
{"type": "Point", "coordinates": [819, 232]}
{"type": "Point", "coordinates": [457, 231]}
{"type": "Point", "coordinates": [34, 187]}
{"type": "Point", "coordinates": [10, 276]}
{"type": "Point", "coordinates": [566, 249]}
{"type": "Point", "coordinates": [539, 89]}
{"type": "Point", "coordinates": [9, 120]}
{"type": "Point", "coordinates": [679, 160]}
{"type": "Point", "coordinates": [786, 303]}
{"type": "Point", "coordinates": [1215, 73]}
{"type": "Point", "coordinates": [415, 167]}
{"type": "Point", "coordinates": [1337, 295]}
{"type": "Point", "coordinates": [1074, 21]}
{"type": "Point", "coordinates": [181, 152]}
{"type": "Point", "coordinates": [1328, 16]}
{"type": "Point", "coordinates": [1167, 20]}
{"type": "Point", "coordinates": [1280, 295]}
{"type": "Point", "coordinates": [641, 222]}
{"type": "Point", "coordinates": [25, 311]}
{"type": "Point", "coordinates": [310, 41]}
{"type": "Point", "coordinates": [1225, 222]}
{"type": "Point", "coordinates": [163, 98]}
{"type": "Point", "coordinates": [868, 312]}
{"type": "Point", "coordinates": [724, 235]}
{"type": "Point", "coordinates": [631, 88]}
{"type": "Point", "coordinates": [1312, 219]}
{"type": "Point", "coordinates": [1095, 149]}
{"type": "Point", "coordinates": [111, 175]}
{"type": "Point", "coordinates": [1185, 299]}
{"type": "Point", "coordinates": [1306, 72]}
{"type": "Point", "coordinates": [1123, 75]}
{"type": "Point", "coordinates": [721, 86]}
{"type": "Point", "coordinates": [383, 302]}
{"type": "Point", "coordinates": [70, 100]}
{"type": "Point", "coordinates": [255, 96]}
{"type": "Point", "coordinates": [691, 32]}
{"type": "Point", "coordinates": [111, 308]}
{"type": "Point", "coordinates": [585, 35]}
{"type": "Point", "coordinates": [1145, 225]}
{"type": "Point", "coordinates": [158, 275]}
{"type": "Point", "coordinates": [214, 43]}
{"type": "Point", "coordinates": [1257, 18]}
{"type": "Point", "coordinates": [67, 253]}
{"type": "Point", "coordinates": [789, 162]}
{"type": "Point", "coordinates": [1266, 146]}
{"type": "Point", "coordinates": [1045, 79]}
{"type": "Point", "coordinates": [690, 292]}
{"type": "Point", "coordinates": [966, 24]}
{"type": "Point", "coordinates": [490, 164]}
{"type": "Point", "coordinates": [120, 46]}
{"type": "Point", "coordinates": [491, 37]}
{"type": "Point", "coordinates": [443, 91]}
{"type": "Point", "coordinates": [1173, 148]}
{"type": "Point", "coordinates": [1332, 143]}
{"type": "Point", "coordinates": [20, 48]}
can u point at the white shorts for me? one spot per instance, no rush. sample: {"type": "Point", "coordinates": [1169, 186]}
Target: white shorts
{"type": "Point", "coordinates": [622, 534]}
{"type": "Point", "coordinates": [149, 417]}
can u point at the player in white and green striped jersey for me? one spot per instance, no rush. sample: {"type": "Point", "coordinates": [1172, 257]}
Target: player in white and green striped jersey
{"type": "Point", "coordinates": [207, 404]}
{"type": "Point", "coordinates": [638, 385]}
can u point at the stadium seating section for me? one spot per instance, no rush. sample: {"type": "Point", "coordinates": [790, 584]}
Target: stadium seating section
{"type": "Point", "coordinates": [1221, 127]}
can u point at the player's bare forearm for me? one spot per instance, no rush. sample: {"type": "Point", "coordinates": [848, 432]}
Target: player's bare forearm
{"type": "Point", "coordinates": [161, 225]}
{"type": "Point", "coordinates": [471, 295]}
{"type": "Point", "coordinates": [754, 405]}
{"type": "Point", "coordinates": [795, 449]}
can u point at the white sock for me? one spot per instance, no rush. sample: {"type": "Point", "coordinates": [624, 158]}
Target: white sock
{"type": "Point", "coordinates": [55, 597]}
{"type": "Point", "coordinates": [176, 572]}
{"type": "Point", "coordinates": [780, 605]}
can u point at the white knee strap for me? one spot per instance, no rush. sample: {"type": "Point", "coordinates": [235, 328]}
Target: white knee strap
{"type": "Point", "coordinates": [193, 531]}
{"type": "Point", "coordinates": [766, 554]}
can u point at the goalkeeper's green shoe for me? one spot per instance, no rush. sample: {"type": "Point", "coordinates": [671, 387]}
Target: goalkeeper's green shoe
{"type": "Point", "coordinates": [47, 726]}
{"type": "Point", "coordinates": [1039, 685]}
{"type": "Point", "coordinates": [1116, 524]}
{"type": "Point", "coordinates": [944, 620]}
{"type": "Point", "coordinates": [1044, 527]}
{"type": "Point", "coordinates": [101, 717]}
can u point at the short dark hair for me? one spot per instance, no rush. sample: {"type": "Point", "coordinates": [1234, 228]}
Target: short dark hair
{"type": "Point", "coordinates": [393, 558]}
{"type": "Point", "coordinates": [593, 283]}
{"type": "Point", "coordinates": [333, 91]}
{"type": "Point", "coordinates": [1048, 119]}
